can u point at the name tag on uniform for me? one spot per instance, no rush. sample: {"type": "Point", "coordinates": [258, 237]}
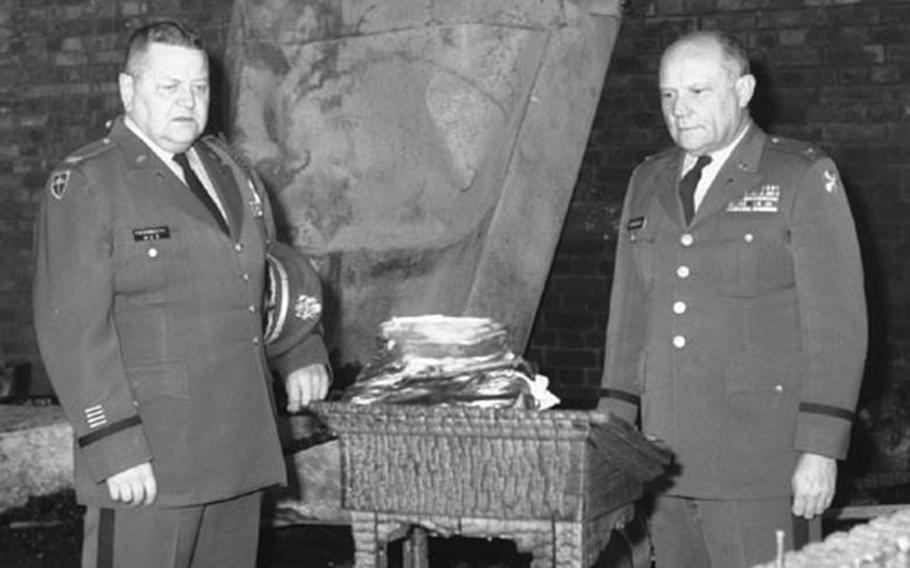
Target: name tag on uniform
{"type": "Point", "coordinates": [636, 223]}
{"type": "Point", "coordinates": [764, 199]}
{"type": "Point", "coordinates": [151, 234]}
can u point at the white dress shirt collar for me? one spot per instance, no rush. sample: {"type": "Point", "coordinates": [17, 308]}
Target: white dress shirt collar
{"type": "Point", "coordinates": [709, 173]}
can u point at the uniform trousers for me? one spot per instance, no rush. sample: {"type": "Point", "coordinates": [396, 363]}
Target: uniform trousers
{"type": "Point", "coordinates": [703, 533]}
{"type": "Point", "coordinates": [224, 534]}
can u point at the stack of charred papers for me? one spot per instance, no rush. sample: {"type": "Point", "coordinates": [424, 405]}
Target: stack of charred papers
{"type": "Point", "coordinates": [444, 360]}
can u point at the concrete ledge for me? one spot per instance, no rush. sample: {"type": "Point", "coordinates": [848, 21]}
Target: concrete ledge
{"type": "Point", "coordinates": [36, 458]}
{"type": "Point", "coordinates": [36, 453]}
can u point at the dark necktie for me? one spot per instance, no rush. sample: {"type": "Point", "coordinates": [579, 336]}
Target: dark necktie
{"type": "Point", "coordinates": [687, 186]}
{"type": "Point", "coordinates": [199, 191]}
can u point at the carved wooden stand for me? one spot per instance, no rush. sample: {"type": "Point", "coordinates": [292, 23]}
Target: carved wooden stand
{"type": "Point", "coordinates": [556, 483]}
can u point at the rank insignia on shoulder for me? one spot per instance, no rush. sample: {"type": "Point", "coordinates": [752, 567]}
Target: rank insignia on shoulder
{"type": "Point", "coordinates": [761, 200]}
{"type": "Point", "coordinates": [830, 181]}
{"type": "Point", "coordinates": [636, 223]}
{"type": "Point", "coordinates": [58, 183]}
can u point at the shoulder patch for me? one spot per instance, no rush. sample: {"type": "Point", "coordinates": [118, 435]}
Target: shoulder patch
{"type": "Point", "coordinates": [62, 175]}
{"type": "Point", "coordinates": [58, 182]}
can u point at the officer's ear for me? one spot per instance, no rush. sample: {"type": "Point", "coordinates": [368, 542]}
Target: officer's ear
{"type": "Point", "coordinates": [127, 89]}
{"type": "Point", "coordinates": [745, 88]}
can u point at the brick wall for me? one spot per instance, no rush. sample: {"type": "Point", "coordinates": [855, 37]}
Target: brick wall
{"type": "Point", "coordinates": [833, 71]}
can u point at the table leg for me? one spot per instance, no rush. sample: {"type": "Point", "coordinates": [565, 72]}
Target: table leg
{"type": "Point", "coordinates": [368, 551]}
{"type": "Point", "coordinates": [415, 549]}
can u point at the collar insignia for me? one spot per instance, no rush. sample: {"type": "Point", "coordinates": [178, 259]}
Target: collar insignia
{"type": "Point", "coordinates": [256, 202]}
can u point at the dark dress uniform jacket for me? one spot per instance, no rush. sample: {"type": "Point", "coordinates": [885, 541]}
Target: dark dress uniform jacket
{"type": "Point", "coordinates": [742, 336]}
{"type": "Point", "coordinates": [149, 324]}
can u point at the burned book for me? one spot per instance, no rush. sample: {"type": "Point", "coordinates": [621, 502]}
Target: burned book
{"type": "Point", "coordinates": [444, 360]}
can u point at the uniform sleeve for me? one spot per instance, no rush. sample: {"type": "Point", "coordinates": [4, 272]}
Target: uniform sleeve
{"type": "Point", "coordinates": [73, 310]}
{"type": "Point", "coordinates": [311, 350]}
{"type": "Point", "coordinates": [829, 284]}
{"type": "Point", "coordinates": [620, 384]}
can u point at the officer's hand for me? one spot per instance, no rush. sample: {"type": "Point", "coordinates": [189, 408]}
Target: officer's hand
{"type": "Point", "coordinates": [134, 486]}
{"type": "Point", "coordinates": [813, 484]}
{"type": "Point", "coordinates": [306, 385]}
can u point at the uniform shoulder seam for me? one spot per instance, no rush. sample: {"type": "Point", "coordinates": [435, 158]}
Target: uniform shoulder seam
{"type": "Point", "coordinates": [221, 144]}
{"type": "Point", "coordinates": [806, 150]}
{"type": "Point", "coordinates": [86, 153]}
{"type": "Point", "coordinates": [661, 154]}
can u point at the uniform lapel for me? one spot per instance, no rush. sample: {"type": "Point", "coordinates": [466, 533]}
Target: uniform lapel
{"type": "Point", "coordinates": [226, 186]}
{"type": "Point", "coordinates": [152, 175]}
{"type": "Point", "coordinates": [739, 173]}
{"type": "Point", "coordinates": [668, 187]}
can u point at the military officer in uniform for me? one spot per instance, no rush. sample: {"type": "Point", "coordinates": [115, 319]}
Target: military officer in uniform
{"type": "Point", "coordinates": [151, 249]}
{"type": "Point", "coordinates": [737, 324]}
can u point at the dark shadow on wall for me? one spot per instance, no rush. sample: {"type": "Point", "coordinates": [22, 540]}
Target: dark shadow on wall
{"type": "Point", "coordinates": [218, 105]}
{"type": "Point", "coordinates": [883, 411]}
{"type": "Point", "coordinates": [763, 107]}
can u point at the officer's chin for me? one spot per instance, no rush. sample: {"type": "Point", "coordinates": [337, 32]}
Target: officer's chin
{"type": "Point", "coordinates": [181, 141]}
{"type": "Point", "coordinates": [688, 142]}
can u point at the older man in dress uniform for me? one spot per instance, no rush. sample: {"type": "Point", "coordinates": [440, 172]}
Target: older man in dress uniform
{"type": "Point", "coordinates": [151, 249]}
{"type": "Point", "coordinates": [737, 323]}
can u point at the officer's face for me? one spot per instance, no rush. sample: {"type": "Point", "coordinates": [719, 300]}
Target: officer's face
{"type": "Point", "coordinates": [704, 104]}
{"type": "Point", "coordinates": [168, 98]}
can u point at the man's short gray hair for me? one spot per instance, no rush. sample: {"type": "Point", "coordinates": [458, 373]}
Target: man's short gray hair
{"type": "Point", "coordinates": [165, 32]}
{"type": "Point", "coordinates": [732, 51]}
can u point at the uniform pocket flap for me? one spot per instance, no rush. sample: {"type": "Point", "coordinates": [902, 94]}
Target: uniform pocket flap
{"type": "Point", "coordinates": [157, 379]}
{"type": "Point", "coordinates": [764, 372]}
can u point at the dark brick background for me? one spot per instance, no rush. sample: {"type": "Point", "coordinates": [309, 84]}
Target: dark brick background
{"type": "Point", "coordinates": [833, 71]}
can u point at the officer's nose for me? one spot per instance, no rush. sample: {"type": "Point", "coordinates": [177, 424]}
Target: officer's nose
{"type": "Point", "coordinates": [186, 96]}
{"type": "Point", "coordinates": [679, 107]}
